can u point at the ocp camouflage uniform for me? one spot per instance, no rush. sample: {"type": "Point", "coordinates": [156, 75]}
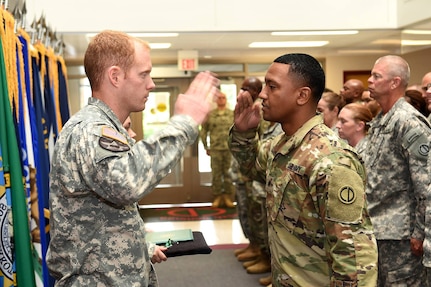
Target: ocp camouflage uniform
{"type": "Point", "coordinates": [320, 233]}
{"type": "Point", "coordinates": [217, 126]}
{"type": "Point", "coordinates": [242, 186]}
{"type": "Point", "coordinates": [98, 175]}
{"type": "Point", "coordinates": [396, 163]}
{"type": "Point", "coordinates": [257, 206]}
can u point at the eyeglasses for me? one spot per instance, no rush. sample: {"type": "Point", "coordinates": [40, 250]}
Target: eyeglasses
{"type": "Point", "coordinates": [426, 88]}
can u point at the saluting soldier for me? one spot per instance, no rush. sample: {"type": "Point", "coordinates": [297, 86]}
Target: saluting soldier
{"type": "Point", "coordinates": [319, 229]}
{"type": "Point", "coordinates": [99, 172]}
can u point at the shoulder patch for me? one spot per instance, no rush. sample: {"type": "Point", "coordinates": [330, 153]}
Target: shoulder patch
{"type": "Point", "coordinates": [417, 142]}
{"type": "Point", "coordinates": [113, 145]}
{"type": "Point", "coordinates": [113, 134]}
{"type": "Point", "coordinates": [346, 195]}
{"type": "Point", "coordinates": [112, 140]}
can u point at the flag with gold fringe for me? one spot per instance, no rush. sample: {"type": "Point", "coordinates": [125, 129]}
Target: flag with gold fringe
{"type": "Point", "coordinates": [11, 160]}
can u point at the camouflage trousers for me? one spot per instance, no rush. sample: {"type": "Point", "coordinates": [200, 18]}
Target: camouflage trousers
{"type": "Point", "coordinates": [153, 281]}
{"type": "Point", "coordinates": [221, 179]}
{"type": "Point", "coordinates": [242, 189]}
{"type": "Point", "coordinates": [398, 266]}
{"type": "Point", "coordinates": [257, 217]}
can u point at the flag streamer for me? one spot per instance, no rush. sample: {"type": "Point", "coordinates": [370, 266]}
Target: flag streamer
{"type": "Point", "coordinates": [33, 108]}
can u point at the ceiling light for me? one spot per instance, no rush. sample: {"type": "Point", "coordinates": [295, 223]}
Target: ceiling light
{"type": "Point", "coordinates": [311, 33]}
{"type": "Point", "coordinates": [148, 35]}
{"type": "Point", "coordinates": [415, 42]}
{"type": "Point", "coordinates": [369, 51]}
{"type": "Point", "coordinates": [417, 32]}
{"type": "Point", "coordinates": [288, 44]}
{"type": "Point", "coordinates": [403, 42]}
{"type": "Point", "coordinates": [387, 42]}
{"type": "Point", "coordinates": [160, 45]}
{"type": "Point", "coordinates": [142, 35]}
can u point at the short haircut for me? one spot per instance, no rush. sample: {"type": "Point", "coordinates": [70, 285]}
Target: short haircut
{"type": "Point", "coordinates": [107, 49]}
{"type": "Point", "coordinates": [307, 70]}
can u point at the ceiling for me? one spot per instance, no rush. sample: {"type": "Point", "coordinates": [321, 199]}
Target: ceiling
{"type": "Point", "coordinates": [233, 46]}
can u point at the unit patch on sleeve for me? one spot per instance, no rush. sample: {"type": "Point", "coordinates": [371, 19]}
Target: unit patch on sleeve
{"type": "Point", "coordinates": [113, 141]}
{"type": "Point", "coordinates": [346, 195]}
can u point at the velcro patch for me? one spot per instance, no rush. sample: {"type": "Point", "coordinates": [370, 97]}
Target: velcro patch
{"type": "Point", "coordinates": [113, 134]}
{"type": "Point", "coordinates": [112, 140]}
{"type": "Point", "coordinates": [417, 142]}
{"type": "Point", "coordinates": [113, 145]}
{"type": "Point", "coordinates": [346, 195]}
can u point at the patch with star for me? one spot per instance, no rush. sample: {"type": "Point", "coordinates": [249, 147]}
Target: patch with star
{"type": "Point", "coordinates": [346, 195]}
{"type": "Point", "coordinates": [112, 140]}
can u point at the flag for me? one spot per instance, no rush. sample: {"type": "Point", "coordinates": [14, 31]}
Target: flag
{"type": "Point", "coordinates": [41, 161]}
{"type": "Point", "coordinates": [13, 171]}
{"type": "Point", "coordinates": [6, 261]}
{"type": "Point", "coordinates": [63, 94]}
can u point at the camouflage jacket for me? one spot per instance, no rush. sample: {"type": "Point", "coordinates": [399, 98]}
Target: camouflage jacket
{"type": "Point", "coordinates": [217, 126]}
{"type": "Point", "coordinates": [396, 164]}
{"type": "Point", "coordinates": [98, 175]}
{"type": "Point", "coordinates": [319, 230]}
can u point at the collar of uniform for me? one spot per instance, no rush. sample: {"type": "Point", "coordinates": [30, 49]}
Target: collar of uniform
{"type": "Point", "coordinates": [285, 144]}
{"type": "Point", "coordinates": [109, 113]}
{"type": "Point", "coordinates": [383, 119]}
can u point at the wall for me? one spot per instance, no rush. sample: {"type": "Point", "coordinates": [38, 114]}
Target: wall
{"type": "Point", "coordinates": [215, 15]}
{"type": "Point", "coordinates": [420, 64]}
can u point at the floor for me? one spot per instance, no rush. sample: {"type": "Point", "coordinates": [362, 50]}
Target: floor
{"type": "Point", "coordinates": [216, 232]}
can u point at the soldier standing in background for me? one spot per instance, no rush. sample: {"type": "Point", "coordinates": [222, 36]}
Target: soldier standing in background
{"type": "Point", "coordinates": [319, 230]}
{"type": "Point", "coordinates": [217, 126]}
{"type": "Point", "coordinates": [253, 86]}
{"type": "Point", "coordinates": [397, 175]}
{"type": "Point", "coordinates": [352, 91]}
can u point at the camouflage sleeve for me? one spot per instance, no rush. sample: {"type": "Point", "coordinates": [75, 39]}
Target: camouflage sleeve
{"type": "Point", "coordinates": [416, 143]}
{"type": "Point", "coordinates": [351, 246]}
{"type": "Point", "coordinates": [244, 146]}
{"type": "Point", "coordinates": [151, 247]}
{"type": "Point", "coordinates": [203, 134]}
{"type": "Point", "coordinates": [123, 174]}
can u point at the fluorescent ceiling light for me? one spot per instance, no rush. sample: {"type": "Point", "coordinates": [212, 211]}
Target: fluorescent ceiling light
{"type": "Point", "coordinates": [160, 45]}
{"type": "Point", "coordinates": [415, 42]}
{"type": "Point", "coordinates": [142, 35]}
{"type": "Point", "coordinates": [387, 42]}
{"type": "Point", "coordinates": [311, 33]}
{"type": "Point", "coordinates": [288, 44]}
{"type": "Point", "coordinates": [417, 32]}
{"type": "Point", "coordinates": [156, 35]}
{"type": "Point", "coordinates": [154, 46]}
{"type": "Point", "coordinates": [369, 51]}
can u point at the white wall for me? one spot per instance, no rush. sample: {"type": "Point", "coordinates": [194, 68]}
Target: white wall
{"type": "Point", "coordinates": [216, 15]}
{"type": "Point", "coordinates": [412, 11]}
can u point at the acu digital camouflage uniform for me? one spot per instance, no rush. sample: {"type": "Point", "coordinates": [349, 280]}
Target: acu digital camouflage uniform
{"type": "Point", "coordinates": [217, 126]}
{"type": "Point", "coordinates": [396, 164]}
{"type": "Point", "coordinates": [98, 175]}
{"type": "Point", "coordinates": [320, 233]}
